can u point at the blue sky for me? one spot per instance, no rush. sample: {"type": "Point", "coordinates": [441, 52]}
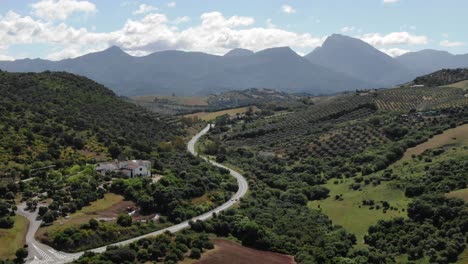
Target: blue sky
{"type": "Point", "coordinates": [57, 29]}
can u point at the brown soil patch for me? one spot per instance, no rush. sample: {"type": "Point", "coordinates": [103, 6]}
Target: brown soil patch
{"type": "Point", "coordinates": [228, 252]}
{"type": "Point", "coordinates": [116, 209]}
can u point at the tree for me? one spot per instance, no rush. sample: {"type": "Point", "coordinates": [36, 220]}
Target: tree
{"type": "Point", "coordinates": [124, 220]}
{"type": "Point", "coordinates": [93, 224]}
{"type": "Point", "coordinates": [21, 254]}
{"type": "Point", "coordinates": [42, 210]}
{"type": "Point", "coordinates": [195, 253]}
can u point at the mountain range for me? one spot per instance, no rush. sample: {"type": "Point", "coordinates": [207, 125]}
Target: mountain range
{"type": "Point", "coordinates": [342, 63]}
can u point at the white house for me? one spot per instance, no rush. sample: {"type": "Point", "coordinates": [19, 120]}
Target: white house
{"type": "Point", "coordinates": [131, 168]}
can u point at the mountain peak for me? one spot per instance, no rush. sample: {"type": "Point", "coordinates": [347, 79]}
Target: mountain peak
{"type": "Point", "coordinates": [114, 50]}
{"type": "Point", "coordinates": [278, 51]}
{"type": "Point", "coordinates": [238, 53]}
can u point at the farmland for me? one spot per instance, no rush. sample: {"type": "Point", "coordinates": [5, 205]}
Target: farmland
{"type": "Point", "coordinates": [342, 157]}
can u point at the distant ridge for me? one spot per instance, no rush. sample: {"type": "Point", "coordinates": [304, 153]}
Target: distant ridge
{"type": "Point", "coordinates": [239, 53]}
{"type": "Point", "coordinates": [196, 73]}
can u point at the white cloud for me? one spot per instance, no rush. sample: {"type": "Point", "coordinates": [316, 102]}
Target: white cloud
{"type": "Point", "coordinates": [395, 38]}
{"type": "Point", "coordinates": [181, 20]}
{"type": "Point", "coordinates": [450, 44]}
{"type": "Point", "coordinates": [390, 1]}
{"type": "Point", "coordinates": [144, 8]}
{"type": "Point", "coordinates": [61, 9]}
{"type": "Point", "coordinates": [172, 4]}
{"type": "Point", "coordinates": [394, 52]}
{"type": "Point", "coordinates": [215, 34]}
{"type": "Point", "coordinates": [288, 9]}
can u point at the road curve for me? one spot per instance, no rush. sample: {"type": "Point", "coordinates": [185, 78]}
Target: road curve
{"type": "Point", "coordinates": [40, 253]}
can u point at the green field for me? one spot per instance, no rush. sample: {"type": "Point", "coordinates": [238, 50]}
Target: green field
{"type": "Point", "coordinates": [13, 239]}
{"type": "Point", "coordinates": [350, 213]}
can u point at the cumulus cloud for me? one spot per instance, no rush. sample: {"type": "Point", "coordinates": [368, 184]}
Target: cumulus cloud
{"type": "Point", "coordinates": [450, 44]}
{"type": "Point", "coordinates": [288, 9]}
{"type": "Point", "coordinates": [395, 38]}
{"type": "Point", "coordinates": [172, 4]}
{"type": "Point", "coordinates": [395, 52]}
{"type": "Point", "coordinates": [144, 8]}
{"type": "Point", "coordinates": [390, 1]}
{"type": "Point", "coordinates": [61, 9]}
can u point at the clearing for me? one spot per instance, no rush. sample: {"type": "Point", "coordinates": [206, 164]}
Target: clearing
{"type": "Point", "coordinates": [229, 252]}
{"type": "Point", "coordinates": [462, 85]}
{"type": "Point", "coordinates": [14, 238]}
{"type": "Point", "coordinates": [207, 116]}
{"type": "Point", "coordinates": [179, 100]}
{"type": "Point", "coordinates": [108, 207]}
{"type": "Point", "coordinates": [462, 194]}
{"type": "Point", "coordinates": [351, 214]}
{"type": "Point", "coordinates": [454, 136]}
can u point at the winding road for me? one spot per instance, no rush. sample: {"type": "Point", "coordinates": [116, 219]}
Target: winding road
{"type": "Point", "coordinates": [40, 253]}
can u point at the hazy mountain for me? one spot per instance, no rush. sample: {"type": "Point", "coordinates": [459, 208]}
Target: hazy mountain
{"type": "Point", "coordinates": [188, 73]}
{"type": "Point", "coordinates": [239, 53]}
{"type": "Point", "coordinates": [427, 61]}
{"type": "Point", "coordinates": [359, 60]}
{"type": "Point", "coordinates": [281, 69]}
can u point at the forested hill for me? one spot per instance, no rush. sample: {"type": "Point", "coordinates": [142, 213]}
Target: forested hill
{"type": "Point", "coordinates": [59, 118]}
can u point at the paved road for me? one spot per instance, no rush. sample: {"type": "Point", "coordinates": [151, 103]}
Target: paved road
{"type": "Point", "coordinates": [40, 253]}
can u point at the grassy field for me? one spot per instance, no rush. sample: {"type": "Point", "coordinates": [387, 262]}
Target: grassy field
{"type": "Point", "coordinates": [350, 213]}
{"type": "Point", "coordinates": [455, 136]}
{"type": "Point", "coordinates": [207, 116]}
{"type": "Point", "coordinates": [462, 194]}
{"type": "Point", "coordinates": [180, 100]}
{"type": "Point", "coordinates": [462, 85]}
{"type": "Point", "coordinates": [463, 258]}
{"type": "Point", "coordinates": [14, 238]}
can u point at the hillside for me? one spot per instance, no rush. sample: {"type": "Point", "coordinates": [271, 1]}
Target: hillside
{"type": "Point", "coordinates": [60, 118]}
